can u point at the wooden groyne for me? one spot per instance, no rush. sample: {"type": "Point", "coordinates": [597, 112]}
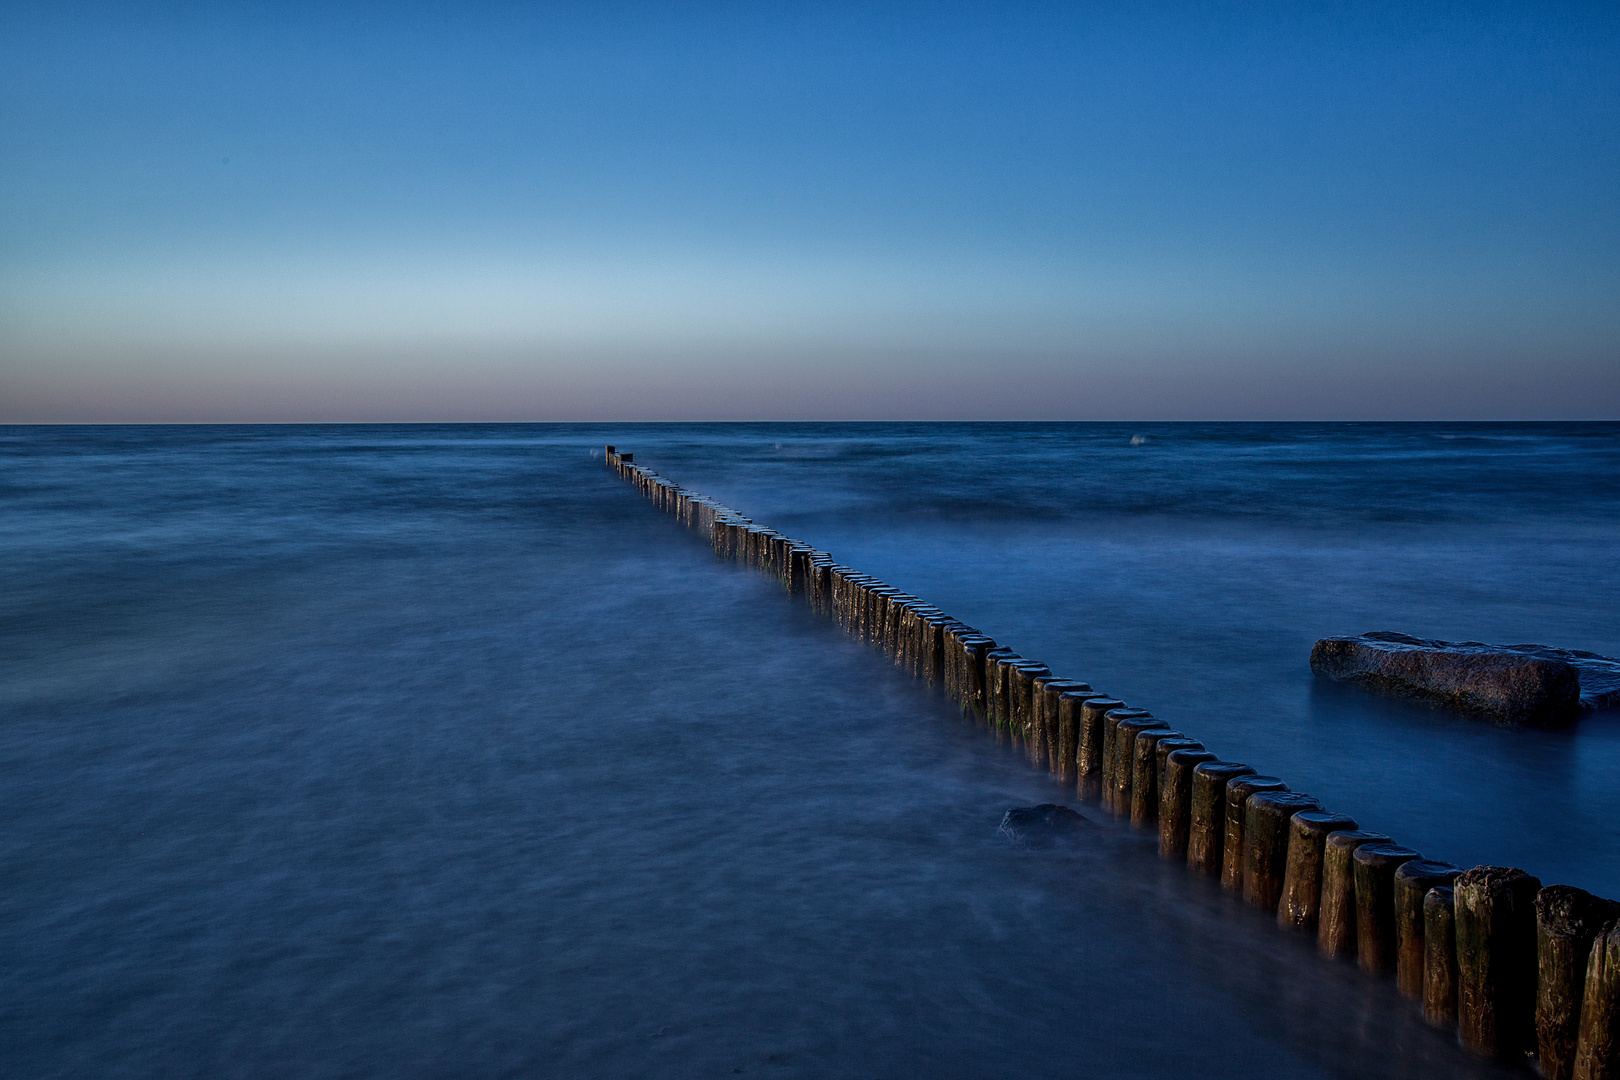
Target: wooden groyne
{"type": "Point", "coordinates": [1516, 970]}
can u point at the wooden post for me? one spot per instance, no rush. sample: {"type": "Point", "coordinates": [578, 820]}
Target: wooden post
{"type": "Point", "coordinates": [1035, 748]}
{"type": "Point", "coordinates": [995, 688]}
{"type": "Point", "coordinates": [1126, 728]}
{"type": "Point", "coordinates": [1238, 791]}
{"type": "Point", "coordinates": [1439, 959]}
{"type": "Point", "coordinates": [1161, 754]}
{"type": "Point", "coordinates": [1059, 747]}
{"type": "Point", "coordinates": [1597, 1053]}
{"type": "Point", "coordinates": [1043, 696]}
{"type": "Point", "coordinates": [1070, 713]}
{"type": "Point", "coordinates": [1301, 901]}
{"type": "Point", "coordinates": [1375, 866]}
{"type": "Point", "coordinates": [978, 657]}
{"type": "Point", "coordinates": [1110, 748]}
{"type": "Point", "coordinates": [1175, 797]}
{"type": "Point", "coordinates": [1336, 917]}
{"type": "Point", "coordinates": [1090, 754]}
{"type": "Point", "coordinates": [1206, 829]}
{"type": "Point", "coordinates": [1265, 843]}
{"type": "Point", "coordinates": [1568, 920]}
{"type": "Point", "coordinates": [1021, 702]}
{"type": "Point", "coordinates": [1145, 775]}
{"type": "Point", "coordinates": [964, 651]}
{"type": "Point", "coordinates": [1496, 960]}
{"type": "Point", "coordinates": [1412, 883]}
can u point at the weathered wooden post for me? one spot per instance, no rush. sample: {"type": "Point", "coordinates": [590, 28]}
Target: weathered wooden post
{"type": "Point", "coordinates": [1496, 959]}
{"type": "Point", "coordinates": [1126, 729]}
{"type": "Point", "coordinates": [1412, 883]}
{"type": "Point", "coordinates": [1111, 747]}
{"type": "Point", "coordinates": [1091, 753]}
{"type": "Point", "coordinates": [1568, 920]}
{"type": "Point", "coordinates": [1021, 701]}
{"type": "Point", "coordinates": [1043, 728]}
{"type": "Point", "coordinates": [1070, 714]}
{"type": "Point", "coordinates": [1238, 791]}
{"type": "Point", "coordinates": [1375, 866]}
{"type": "Point", "coordinates": [935, 634]}
{"type": "Point", "coordinates": [1162, 754]}
{"type": "Point", "coordinates": [1060, 747]}
{"type": "Point", "coordinates": [964, 651]}
{"type": "Point", "coordinates": [1265, 843]}
{"type": "Point", "coordinates": [1206, 829]}
{"type": "Point", "coordinates": [1336, 916]}
{"type": "Point", "coordinates": [995, 687]}
{"type": "Point", "coordinates": [995, 696]}
{"type": "Point", "coordinates": [1439, 958]}
{"type": "Point", "coordinates": [976, 655]}
{"type": "Point", "coordinates": [1597, 1053]}
{"type": "Point", "coordinates": [1145, 775]}
{"type": "Point", "coordinates": [1035, 749]}
{"type": "Point", "coordinates": [1175, 797]}
{"type": "Point", "coordinates": [1308, 831]}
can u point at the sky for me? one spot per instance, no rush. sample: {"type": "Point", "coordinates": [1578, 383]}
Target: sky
{"type": "Point", "coordinates": [789, 211]}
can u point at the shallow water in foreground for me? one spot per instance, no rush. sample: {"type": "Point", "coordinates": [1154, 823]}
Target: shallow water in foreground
{"type": "Point", "coordinates": [422, 751]}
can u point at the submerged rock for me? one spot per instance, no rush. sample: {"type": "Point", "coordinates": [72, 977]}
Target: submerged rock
{"type": "Point", "coordinates": [1039, 826]}
{"type": "Point", "coordinates": [1531, 685]}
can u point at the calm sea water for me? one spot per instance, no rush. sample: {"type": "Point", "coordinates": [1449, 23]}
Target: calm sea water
{"type": "Point", "coordinates": [436, 751]}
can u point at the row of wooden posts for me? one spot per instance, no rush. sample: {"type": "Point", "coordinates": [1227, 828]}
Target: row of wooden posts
{"type": "Point", "coordinates": [1516, 968]}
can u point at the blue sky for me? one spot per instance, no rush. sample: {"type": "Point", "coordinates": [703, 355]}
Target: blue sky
{"type": "Point", "coordinates": [798, 211]}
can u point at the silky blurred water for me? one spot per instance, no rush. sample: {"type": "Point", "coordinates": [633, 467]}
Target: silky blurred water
{"type": "Point", "coordinates": [436, 751]}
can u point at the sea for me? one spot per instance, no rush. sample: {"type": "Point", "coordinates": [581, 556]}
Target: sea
{"type": "Point", "coordinates": [437, 751]}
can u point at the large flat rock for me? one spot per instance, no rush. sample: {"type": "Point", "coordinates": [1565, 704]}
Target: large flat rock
{"type": "Point", "coordinates": [1532, 685]}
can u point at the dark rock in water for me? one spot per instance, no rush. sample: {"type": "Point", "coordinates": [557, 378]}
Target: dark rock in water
{"type": "Point", "coordinates": [1040, 826]}
{"type": "Point", "coordinates": [1509, 684]}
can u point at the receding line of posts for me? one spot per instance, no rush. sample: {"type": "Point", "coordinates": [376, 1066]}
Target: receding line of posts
{"type": "Point", "coordinates": [1515, 969]}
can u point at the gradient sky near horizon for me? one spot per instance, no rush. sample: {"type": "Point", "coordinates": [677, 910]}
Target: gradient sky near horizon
{"type": "Point", "coordinates": [235, 212]}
